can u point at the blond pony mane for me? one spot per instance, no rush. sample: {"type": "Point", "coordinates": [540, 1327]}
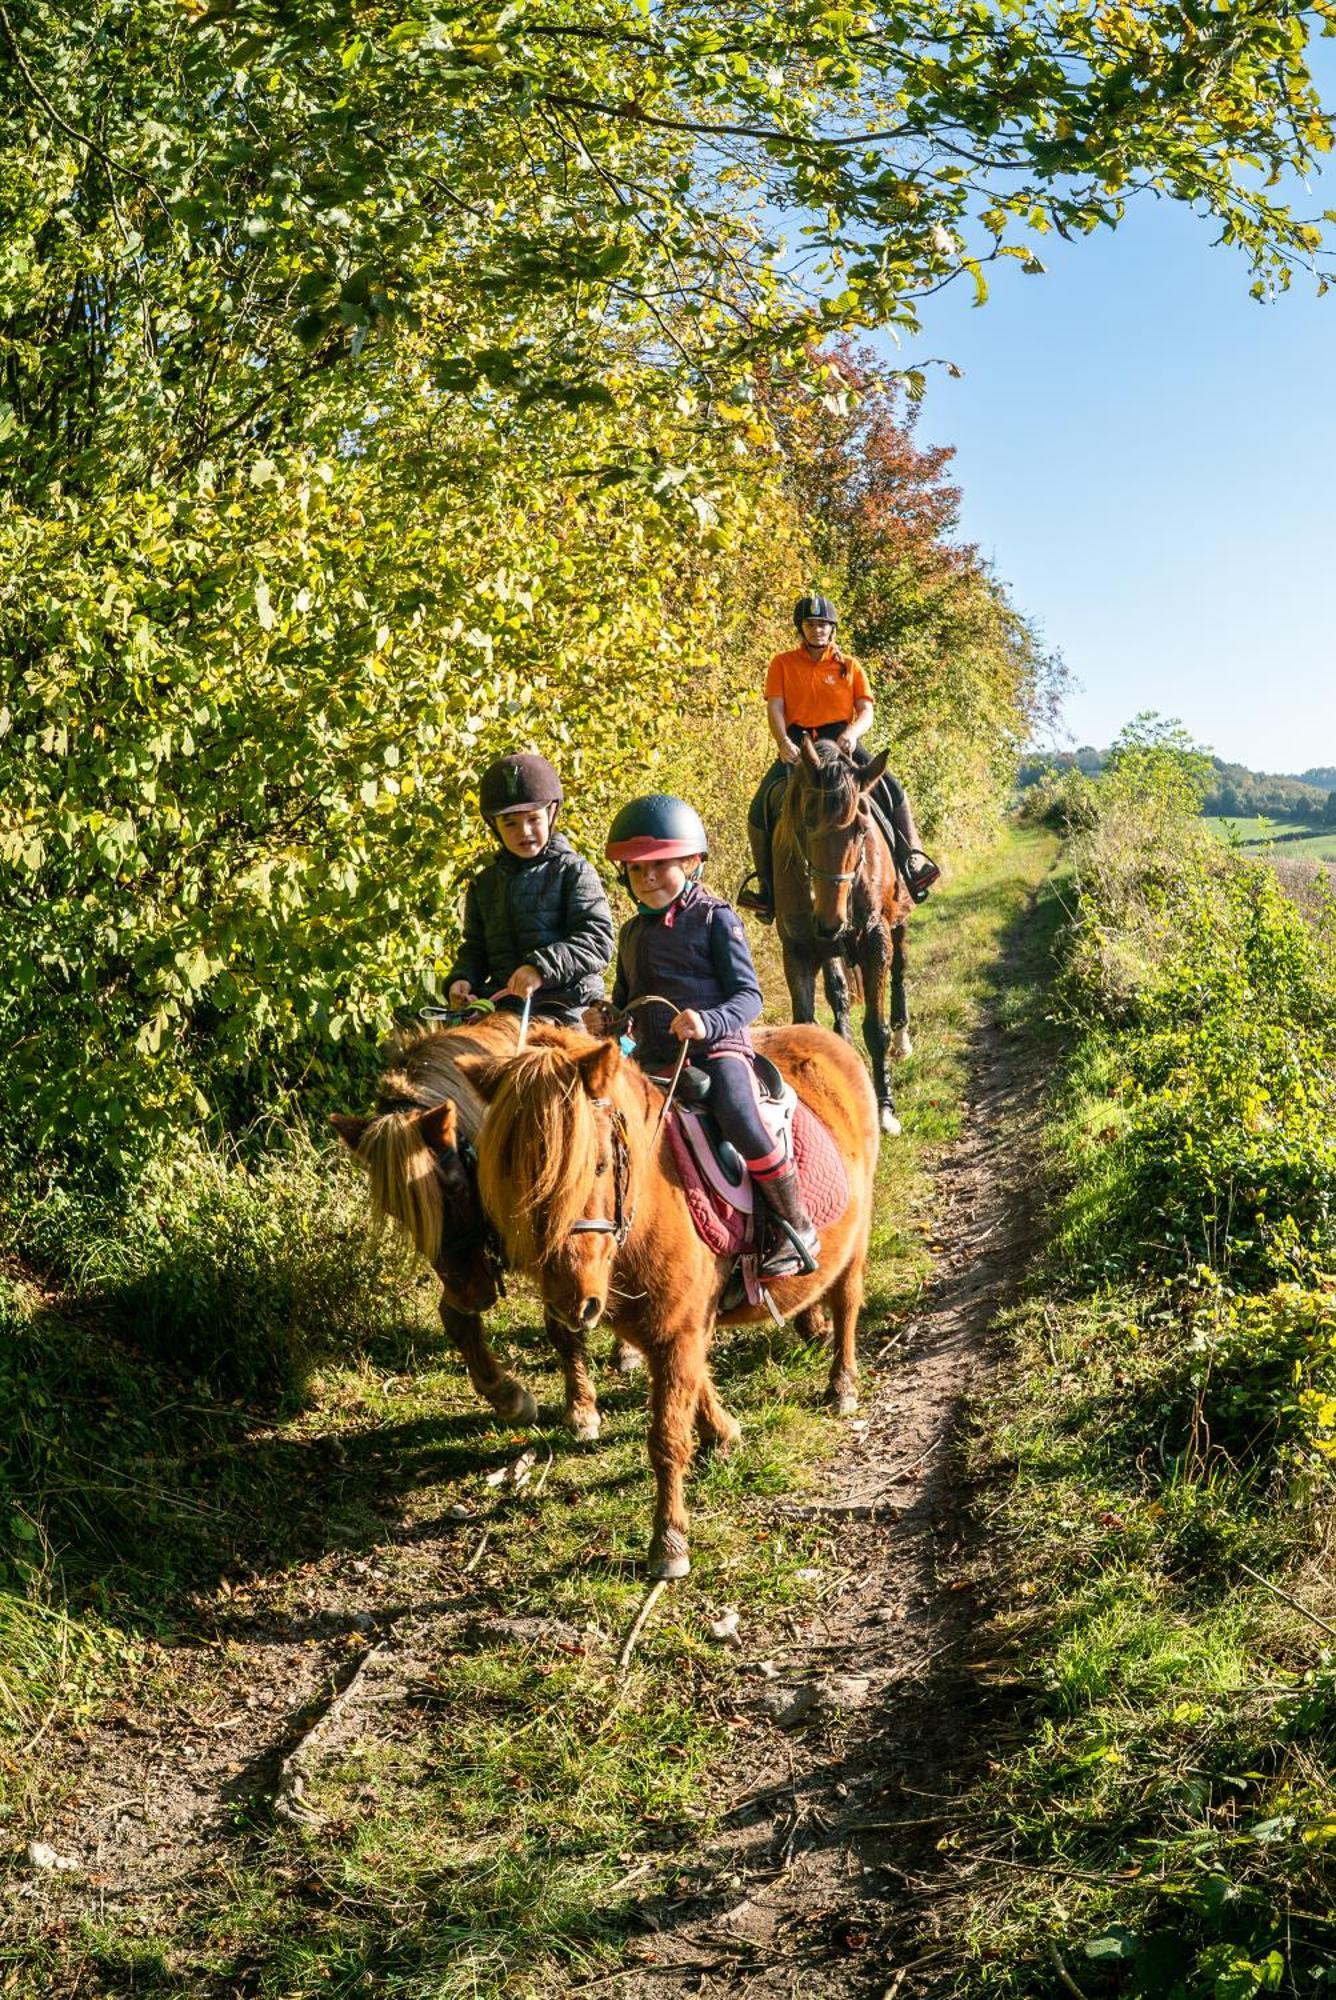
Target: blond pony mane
{"type": "Point", "coordinates": [404, 1185]}
{"type": "Point", "coordinates": [541, 1145]}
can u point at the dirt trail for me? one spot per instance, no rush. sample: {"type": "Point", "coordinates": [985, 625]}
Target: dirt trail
{"type": "Point", "coordinates": [828, 1879]}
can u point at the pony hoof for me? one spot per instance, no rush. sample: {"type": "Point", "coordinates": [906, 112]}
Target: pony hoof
{"type": "Point", "coordinates": [890, 1124]}
{"type": "Point", "coordinates": [842, 1402]}
{"type": "Point", "coordinates": [901, 1046]}
{"type": "Point", "coordinates": [516, 1404]}
{"type": "Point", "coordinates": [585, 1426]}
{"type": "Point", "coordinates": [626, 1359]}
{"type": "Point", "coordinates": [668, 1556]}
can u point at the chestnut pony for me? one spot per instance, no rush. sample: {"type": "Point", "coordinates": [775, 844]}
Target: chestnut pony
{"type": "Point", "coordinates": [418, 1150]}
{"type": "Point", "coordinates": [840, 904]}
{"type": "Point", "coordinates": [575, 1169]}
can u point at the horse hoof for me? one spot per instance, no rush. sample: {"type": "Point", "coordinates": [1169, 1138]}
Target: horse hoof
{"type": "Point", "coordinates": [842, 1402]}
{"type": "Point", "coordinates": [901, 1046]}
{"type": "Point", "coordinates": [626, 1359]}
{"type": "Point", "coordinates": [585, 1426]}
{"type": "Point", "coordinates": [516, 1404]}
{"type": "Point", "coordinates": [890, 1124]}
{"type": "Point", "coordinates": [667, 1569]}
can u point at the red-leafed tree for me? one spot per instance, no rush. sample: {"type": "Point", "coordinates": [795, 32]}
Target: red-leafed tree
{"type": "Point", "coordinates": [957, 672]}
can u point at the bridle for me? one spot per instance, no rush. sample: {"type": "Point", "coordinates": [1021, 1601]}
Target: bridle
{"type": "Point", "coordinates": [482, 1238]}
{"type": "Point", "coordinates": [618, 1226]}
{"type": "Point", "coordinates": [831, 874]}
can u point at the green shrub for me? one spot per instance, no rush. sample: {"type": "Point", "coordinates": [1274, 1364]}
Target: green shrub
{"type": "Point", "coordinates": [241, 1275]}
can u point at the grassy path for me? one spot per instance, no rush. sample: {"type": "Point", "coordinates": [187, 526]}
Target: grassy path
{"type": "Point", "coordinates": [356, 1723]}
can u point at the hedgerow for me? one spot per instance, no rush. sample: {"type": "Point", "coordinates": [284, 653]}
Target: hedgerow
{"type": "Point", "coordinates": [1169, 1421]}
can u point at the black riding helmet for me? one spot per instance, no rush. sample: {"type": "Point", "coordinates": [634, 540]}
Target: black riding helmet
{"type": "Point", "coordinates": [521, 779]}
{"type": "Point", "coordinates": [813, 607]}
{"type": "Point", "coordinates": [656, 827]}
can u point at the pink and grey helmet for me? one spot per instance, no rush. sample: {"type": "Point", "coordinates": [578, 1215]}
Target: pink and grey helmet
{"type": "Point", "coordinates": [521, 779]}
{"type": "Point", "coordinates": [657, 827]}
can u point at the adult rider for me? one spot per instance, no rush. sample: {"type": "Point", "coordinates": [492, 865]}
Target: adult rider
{"type": "Point", "coordinates": [817, 690]}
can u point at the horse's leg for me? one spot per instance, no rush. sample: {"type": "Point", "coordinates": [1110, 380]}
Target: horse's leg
{"type": "Point", "coordinates": [506, 1394]}
{"type": "Point", "coordinates": [677, 1375]}
{"type": "Point", "coordinates": [813, 1322]}
{"type": "Point", "coordinates": [844, 1298]}
{"type": "Point", "coordinates": [717, 1429]}
{"type": "Point", "coordinates": [581, 1399]}
{"type": "Point", "coordinates": [836, 983]}
{"type": "Point", "coordinates": [901, 1045]}
{"type": "Point", "coordinates": [800, 976]}
{"type": "Point", "coordinates": [625, 1359]}
{"type": "Point", "coordinates": [873, 961]}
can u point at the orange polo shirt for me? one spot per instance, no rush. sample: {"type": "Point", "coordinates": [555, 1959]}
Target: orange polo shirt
{"type": "Point", "coordinates": [816, 691]}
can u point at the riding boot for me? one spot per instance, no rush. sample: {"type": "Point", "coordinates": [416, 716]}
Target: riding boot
{"type": "Point", "coordinates": [795, 1246]}
{"type": "Point", "coordinates": [760, 901]}
{"type": "Point", "coordinates": [919, 872]}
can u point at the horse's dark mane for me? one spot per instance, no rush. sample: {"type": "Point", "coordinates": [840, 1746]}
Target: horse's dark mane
{"type": "Point", "coordinates": [832, 789]}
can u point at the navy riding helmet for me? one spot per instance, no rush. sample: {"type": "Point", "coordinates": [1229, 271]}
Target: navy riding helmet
{"type": "Point", "coordinates": [813, 607]}
{"type": "Point", "coordinates": [656, 827]}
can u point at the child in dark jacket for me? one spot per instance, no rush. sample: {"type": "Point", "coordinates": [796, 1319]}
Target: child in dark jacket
{"type": "Point", "coordinates": [688, 946]}
{"type": "Point", "coordinates": [536, 920]}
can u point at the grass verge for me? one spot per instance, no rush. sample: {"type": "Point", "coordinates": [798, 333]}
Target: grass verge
{"type": "Point", "coordinates": [1160, 1443]}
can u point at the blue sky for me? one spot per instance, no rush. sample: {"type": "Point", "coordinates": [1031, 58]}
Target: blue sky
{"type": "Point", "coordinates": [1148, 458]}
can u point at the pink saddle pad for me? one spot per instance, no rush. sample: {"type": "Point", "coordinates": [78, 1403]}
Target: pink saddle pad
{"type": "Point", "coordinates": [726, 1227]}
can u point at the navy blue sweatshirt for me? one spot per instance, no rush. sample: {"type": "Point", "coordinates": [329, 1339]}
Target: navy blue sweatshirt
{"type": "Point", "coordinates": [694, 953]}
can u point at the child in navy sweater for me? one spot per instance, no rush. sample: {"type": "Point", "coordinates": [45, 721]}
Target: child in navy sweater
{"type": "Point", "coordinates": [688, 946]}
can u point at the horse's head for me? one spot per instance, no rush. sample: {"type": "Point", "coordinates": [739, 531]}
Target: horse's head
{"type": "Point", "coordinates": [421, 1177]}
{"type": "Point", "coordinates": [555, 1161]}
{"type": "Point", "coordinates": [828, 823]}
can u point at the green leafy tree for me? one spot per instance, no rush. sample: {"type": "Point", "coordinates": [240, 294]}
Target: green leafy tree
{"type": "Point", "coordinates": [1155, 765]}
{"type": "Point", "coordinates": [381, 387]}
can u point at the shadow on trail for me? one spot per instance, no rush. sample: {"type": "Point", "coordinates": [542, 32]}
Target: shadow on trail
{"type": "Point", "coordinates": [140, 1494]}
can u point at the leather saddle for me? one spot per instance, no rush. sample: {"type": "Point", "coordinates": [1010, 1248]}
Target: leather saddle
{"type": "Point", "coordinates": [715, 1158]}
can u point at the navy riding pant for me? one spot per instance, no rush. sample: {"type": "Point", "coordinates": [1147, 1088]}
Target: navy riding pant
{"type": "Point", "coordinates": [734, 1101]}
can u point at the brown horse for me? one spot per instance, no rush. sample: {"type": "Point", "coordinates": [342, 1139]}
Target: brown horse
{"type": "Point", "coordinates": [419, 1153]}
{"type": "Point", "coordinates": [574, 1167]}
{"type": "Point", "coordinates": [840, 904]}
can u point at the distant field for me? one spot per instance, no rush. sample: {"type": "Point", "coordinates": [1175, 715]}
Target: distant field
{"type": "Point", "coordinates": [1280, 837]}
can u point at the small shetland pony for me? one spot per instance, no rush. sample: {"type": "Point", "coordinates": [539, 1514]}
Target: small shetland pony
{"type": "Point", "coordinates": [418, 1150]}
{"type": "Point", "coordinates": [840, 904]}
{"type": "Point", "coordinates": [573, 1158]}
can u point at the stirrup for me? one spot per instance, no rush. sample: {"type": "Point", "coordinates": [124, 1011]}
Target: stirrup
{"type": "Point", "coordinates": [796, 1261]}
{"type": "Point", "coordinates": [761, 906]}
{"type": "Point", "coordinates": [919, 873]}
